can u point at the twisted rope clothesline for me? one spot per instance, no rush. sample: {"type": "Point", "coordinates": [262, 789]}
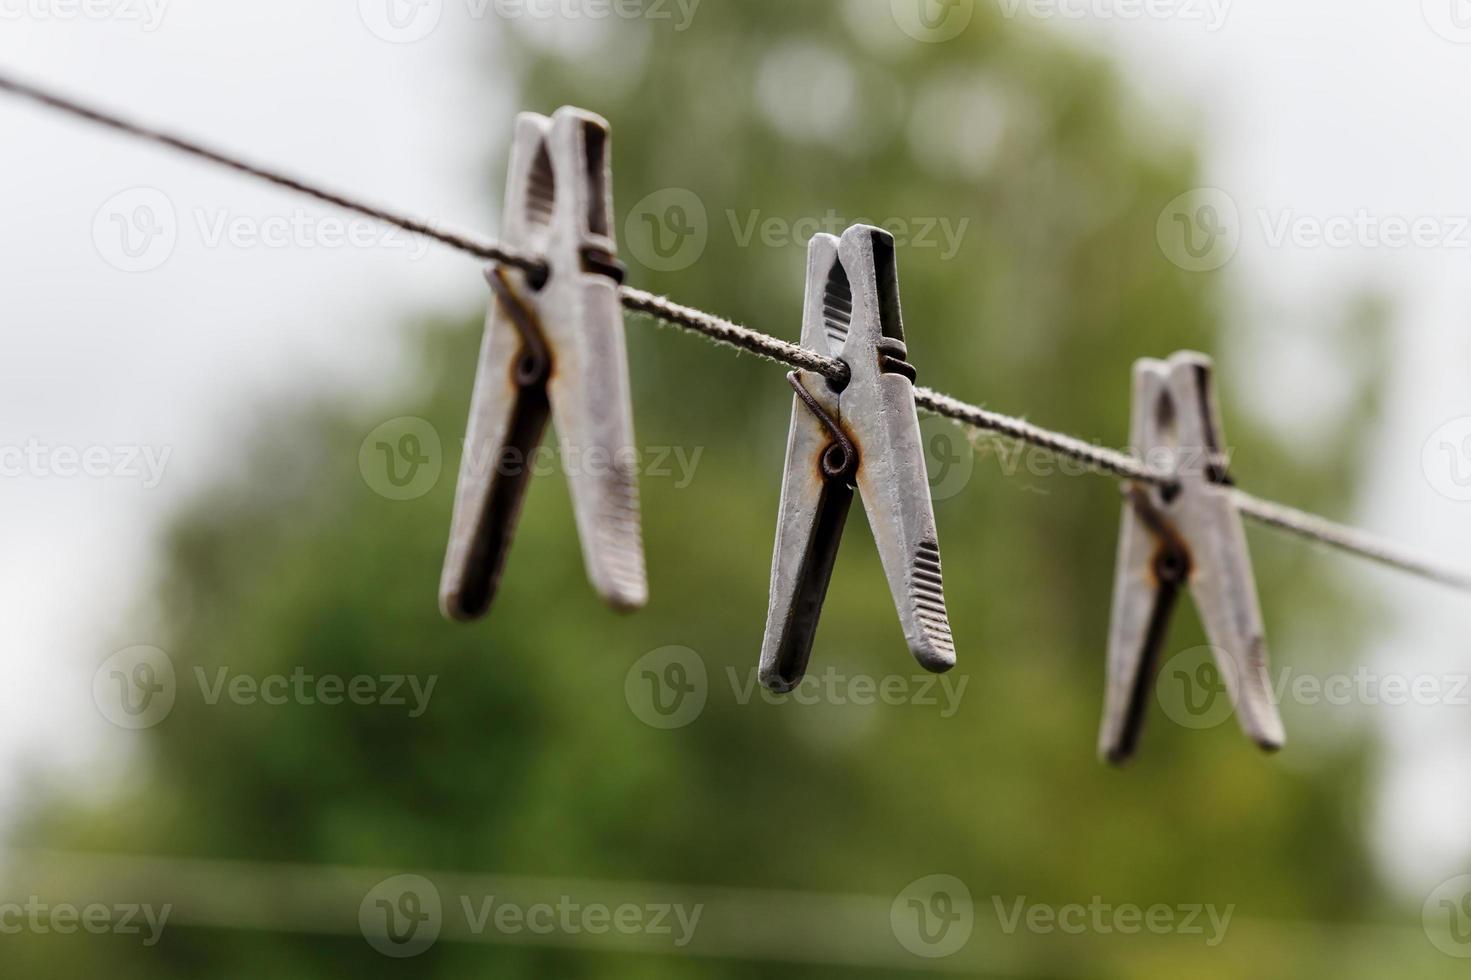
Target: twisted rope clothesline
{"type": "Point", "coordinates": [1099, 459]}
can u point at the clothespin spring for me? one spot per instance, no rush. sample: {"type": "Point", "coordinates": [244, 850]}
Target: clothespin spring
{"type": "Point", "coordinates": [1172, 562]}
{"type": "Point", "coordinates": [840, 460]}
{"type": "Point", "coordinates": [535, 362]}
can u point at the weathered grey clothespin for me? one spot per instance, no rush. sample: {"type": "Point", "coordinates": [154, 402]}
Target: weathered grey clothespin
{"type": "Point", "coordinates": [864, 434]}
{"type": "Point", "coordinates": [1188, 533]}
{"type": "Point", "coordinates": [553, 345]}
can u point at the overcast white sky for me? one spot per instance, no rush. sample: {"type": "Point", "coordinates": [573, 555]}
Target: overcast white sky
{"type": "Point", "coordinates": [178, 358]}
{"type": "Point", "coordinates": [1310, 111]}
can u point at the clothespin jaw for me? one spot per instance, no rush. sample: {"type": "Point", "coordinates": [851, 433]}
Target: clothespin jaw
{"type": "Point", "coordinates": [553, 347]}
{"type": "Point", "coordinates": [862, 435]}
{"type": "Point", "coordinates": [1188, 534]}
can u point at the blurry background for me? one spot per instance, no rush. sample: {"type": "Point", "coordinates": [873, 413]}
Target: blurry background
{"type": "Point", "coordinates": [1033, 157]}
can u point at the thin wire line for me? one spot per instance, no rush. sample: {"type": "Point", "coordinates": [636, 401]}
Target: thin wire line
{"type": "Point", "coordinates": [1314, 528]}
{"type": "Point", "coordinates": [755, 925]}
{"type": "Point", "coordinates": [1100, 459]}
{"type": "Point", "coordinates": [732, 334]}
